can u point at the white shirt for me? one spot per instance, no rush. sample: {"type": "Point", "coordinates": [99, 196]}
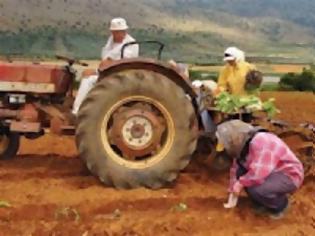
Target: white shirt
{"type": "Point", "coordinates": [113, 50]}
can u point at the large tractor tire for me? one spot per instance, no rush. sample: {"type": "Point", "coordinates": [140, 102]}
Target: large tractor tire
{"type": "Point", "coordinates": [136, 129]}
{"type": "Point", "coordinates": [9, 145]}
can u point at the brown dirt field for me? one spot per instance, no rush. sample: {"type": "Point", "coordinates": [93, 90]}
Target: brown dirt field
{"type": "Point", "coordinates": [288, 68]}
{"type": "Point", "coordinates": [295, 107]}
{"type": "Point", "coordinates": [52, 193]}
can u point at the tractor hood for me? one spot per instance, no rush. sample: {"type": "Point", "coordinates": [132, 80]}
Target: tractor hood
{"type": "Point", "coordinates": [24, 77]}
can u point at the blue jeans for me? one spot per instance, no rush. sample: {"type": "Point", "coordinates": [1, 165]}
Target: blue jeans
{"type": "Point", "coordinates": [272, 194]}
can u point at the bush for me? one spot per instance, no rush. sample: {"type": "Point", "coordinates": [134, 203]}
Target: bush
{"type": "Point", "coordinates": [203, 75]}
{"type": "Point", "coordinates": [306, 81]}
{"type": "Point", "coordinates": [300, 82]}
{"type": "Point", "coordinates": [288, 81]}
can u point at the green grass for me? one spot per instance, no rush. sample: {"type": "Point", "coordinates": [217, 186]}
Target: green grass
{"type": "Point", "coordinates": [270, 86]}
{"type": "Point", "coordinates": [203, 75]}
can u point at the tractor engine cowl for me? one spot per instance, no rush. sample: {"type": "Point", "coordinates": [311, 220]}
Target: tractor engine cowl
{"type": "Point", "coordinates": [30, 78]}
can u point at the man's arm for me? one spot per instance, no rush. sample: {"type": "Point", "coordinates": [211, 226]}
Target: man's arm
{"type": "Point", "coordinates": [131, 51]}
{"type": "Point", "coordinates": [115, 53]}
{"type": "Point", "coordinates": [106, 49]}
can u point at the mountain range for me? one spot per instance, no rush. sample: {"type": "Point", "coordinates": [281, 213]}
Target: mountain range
{"type": "Point", "coordinates": [194, 30]}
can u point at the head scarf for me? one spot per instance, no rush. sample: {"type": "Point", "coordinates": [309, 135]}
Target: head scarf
{"type": "Point", "coordinates": [234, 135]}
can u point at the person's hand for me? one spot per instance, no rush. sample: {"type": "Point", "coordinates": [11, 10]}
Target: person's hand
{"type": "Point", "coordinates": [88, 72]}
{"type": "Point", "coordinates": [172, 63]}
{"type": "Point", "coordinates": [105, 62]}
{"type": "Point", "coordinates": [237, 188]}
{"type": "Point", "coordinates": [217, 91]}
{"type": "Point", "coordinates": [232, 201]}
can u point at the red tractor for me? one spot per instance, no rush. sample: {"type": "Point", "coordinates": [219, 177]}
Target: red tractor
{"type": "Point", "coordinates": [138, 126]}
{"type": "Point", "coordinates": [32, 98]}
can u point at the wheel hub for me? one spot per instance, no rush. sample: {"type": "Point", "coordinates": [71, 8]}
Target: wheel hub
{"type": "Point", "coordinates": [136, 131]}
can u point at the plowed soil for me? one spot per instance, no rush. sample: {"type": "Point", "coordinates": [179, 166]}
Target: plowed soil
{"type": "Point", "coordinates": [51, 193]}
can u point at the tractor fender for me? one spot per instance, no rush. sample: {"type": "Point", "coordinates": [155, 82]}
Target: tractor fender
{"type": "Point", "coordinates": [148, 64]}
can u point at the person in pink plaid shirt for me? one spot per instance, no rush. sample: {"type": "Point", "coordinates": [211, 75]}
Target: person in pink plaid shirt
{"type": "Point", "coordinates": [263, 165]}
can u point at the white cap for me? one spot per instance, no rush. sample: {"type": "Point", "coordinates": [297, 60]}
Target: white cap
{"type": "Point", "coordinates": [233, 53]}
{"type": "Point", "coordinates": [118, 24]}
{"type": "Point", "coordinates": [210, 84]}
{"type": "Point", "coordinates": [196, 83]}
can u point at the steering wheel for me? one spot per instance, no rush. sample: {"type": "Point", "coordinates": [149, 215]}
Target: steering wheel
{"type": "Point", "coordinates": [71, 61]}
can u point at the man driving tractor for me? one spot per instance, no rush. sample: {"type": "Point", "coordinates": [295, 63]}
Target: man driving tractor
{"type": "Point", "coordinates": [110, 52]}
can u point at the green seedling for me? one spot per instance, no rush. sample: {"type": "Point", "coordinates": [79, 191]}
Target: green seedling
{"type": "Point", "coordinates": [67, 213]}
{"type": "Point", "coordinates": [180, 207]}
{"type": "Point", "coordinates": [5, 204]}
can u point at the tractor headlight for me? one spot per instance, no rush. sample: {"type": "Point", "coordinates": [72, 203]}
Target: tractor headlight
{"type": "Point", "coordinates": [17, 98]}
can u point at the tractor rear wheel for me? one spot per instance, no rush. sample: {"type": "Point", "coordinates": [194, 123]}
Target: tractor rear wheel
{"type": "Point", "coordinates": [136, 130]}
{"type": "Point", "coordinates": [9, 145]}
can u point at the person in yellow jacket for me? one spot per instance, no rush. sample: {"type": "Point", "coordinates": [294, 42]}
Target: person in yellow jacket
{"type": "Point", "coordinates": [233, 75]}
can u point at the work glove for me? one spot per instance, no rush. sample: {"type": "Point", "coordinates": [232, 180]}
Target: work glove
{"type": "Point", "coordinates": [233, 197]}
{"type": "Point", "coordinates": [232, 201]}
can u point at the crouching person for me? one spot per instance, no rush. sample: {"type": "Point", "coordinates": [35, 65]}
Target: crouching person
{"type": "Point", "coordinates": [263, 165]}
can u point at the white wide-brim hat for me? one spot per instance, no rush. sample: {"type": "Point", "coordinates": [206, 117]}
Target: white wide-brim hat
{"type": "Point", "coordinates": [118, 24]}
